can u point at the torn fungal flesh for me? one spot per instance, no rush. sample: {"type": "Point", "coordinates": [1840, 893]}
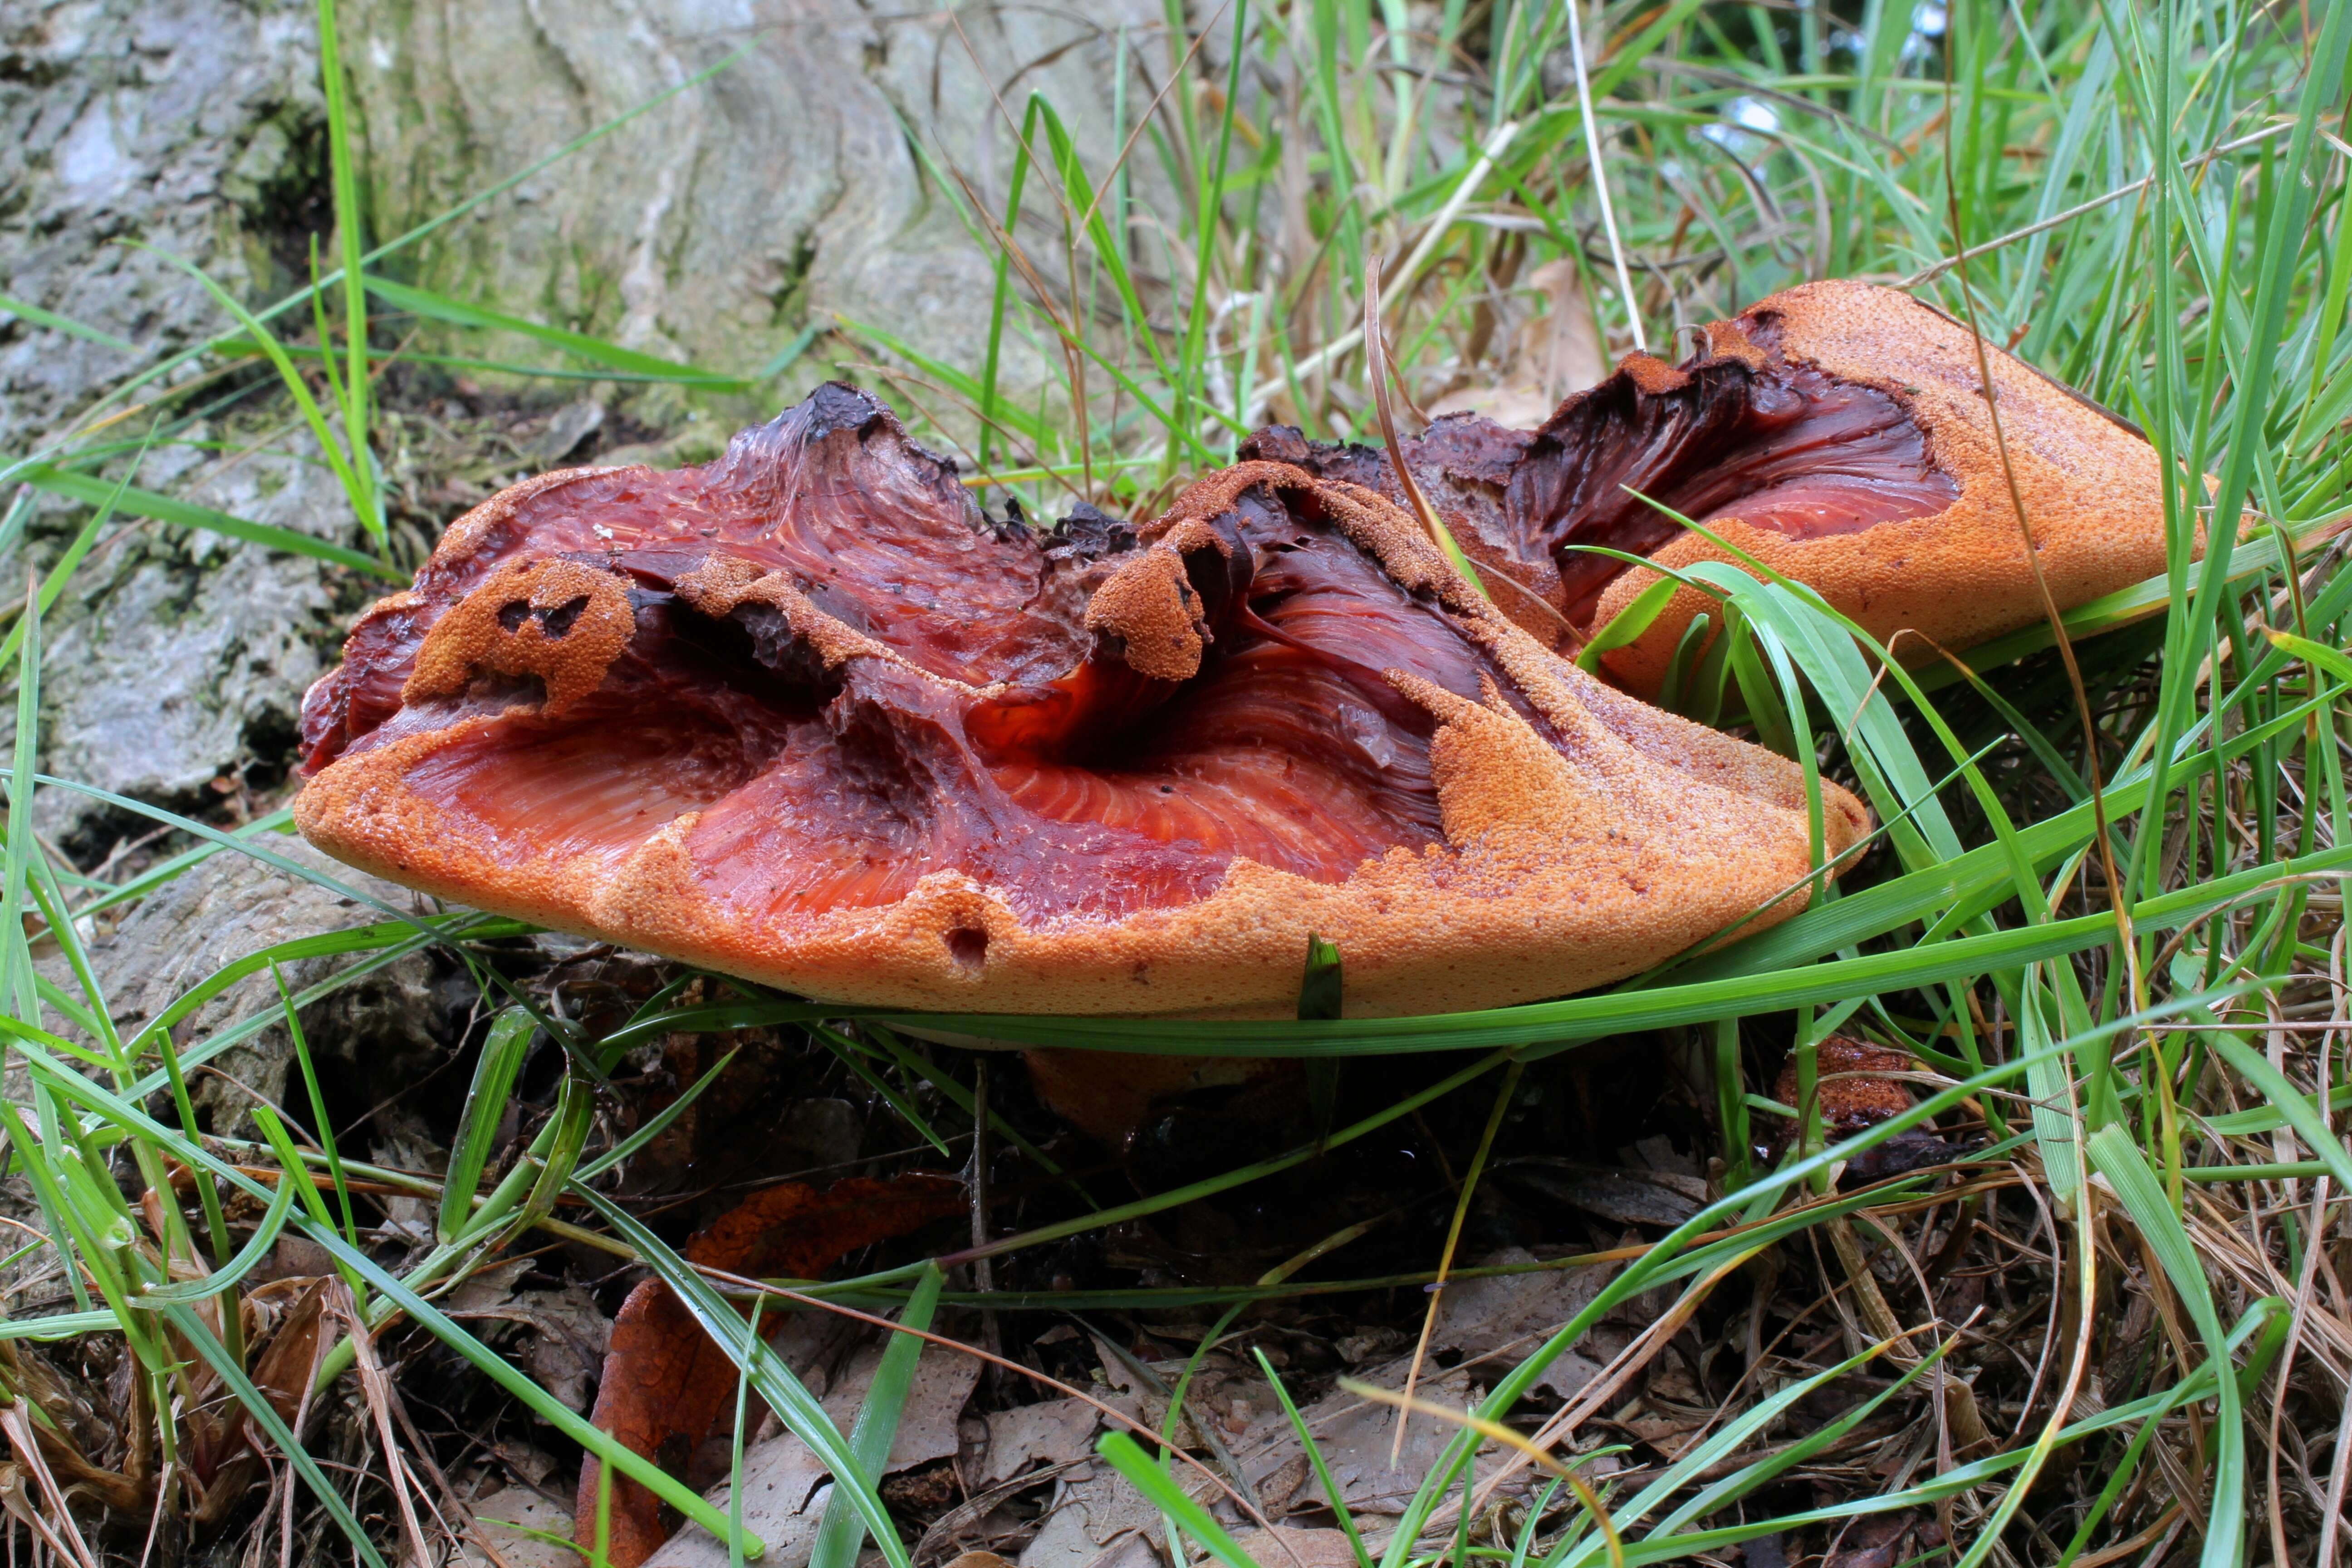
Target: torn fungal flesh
{"type": "Point", "coordinates": [804, 715]}
{"type": "Point", "coordinates": [1837, 432]}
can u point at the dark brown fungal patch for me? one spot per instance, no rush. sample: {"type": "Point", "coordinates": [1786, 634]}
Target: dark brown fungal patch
{"type": "Point", "coordinates": [1779, 446]}
{"type": "Point", "coordinates": [520, 625]}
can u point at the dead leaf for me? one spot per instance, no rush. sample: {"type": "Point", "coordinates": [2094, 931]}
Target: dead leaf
{"type": "Point", "coordinates": [1557, 353]}
{"type": "Point", "coordinates": [1093, 1513]}
{"type": "Point", "coordinates": [1658, 1428]}
{"type": "Point", "coordinates": [572, 424]}
{"type": "Point", "coordinates": [285, 1319]}
{"type": "Point", "coordinates": [1276, 1491]}
{"type": "Point", "coordinates": [1053, 1433]}
{"type": "Point", "coordinates": [1619, 1195]}
{"type": "Point", "coordinates": [1507, 1315]}
{"type": "Point", "coordinates": [72, 1421]}
{"type": "Point", "coordinates": [784, 1485]}
{"type": "Point", "coordinates": [983, 1515]}
{"type": "Point", "coordinates": [1136, 1548]}
{"type": "Point", "coordinates": [1377, 1341]}
{"type": "Point", "coordinates": [1502, 1317]}
{"type": "Point", "coordinates": [16, 1421]}
{"type": "Point", "coordinates": [21, 1508]}
{"type": "Point", "coordinates": [569, 1336]}
{"type": "Point", "coordinates": [1518, 404]}
{"type": "Point", "coordinates": [1562, 347]}
{"type": "Point", "coordinates": [1874, 1542]}
{"type": "Point", "coordinates": [506, 1522]}
{"type": "Point", "coordinates": [665, 1382]}
{"type": "Point", "coordinates": [1311, 1548]}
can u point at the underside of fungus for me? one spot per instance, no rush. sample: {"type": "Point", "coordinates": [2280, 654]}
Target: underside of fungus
{"type": "Point", "coordinates": [804, 716]}
{"type": "Point", "coordinates": [1838, 433]}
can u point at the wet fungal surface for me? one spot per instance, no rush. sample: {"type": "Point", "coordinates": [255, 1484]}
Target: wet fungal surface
{"type": "Point", "coordinates": [1091, 740]}
{"type": "Point", "coordinates": [804, 713]}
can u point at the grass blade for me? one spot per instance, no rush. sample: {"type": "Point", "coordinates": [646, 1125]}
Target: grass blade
{"type": "Point", "coordinates": [596, 351]}
{"type": "Point", "coordinates": [25, 310]}
{"type": "Point", "coordinates": [188, 514]}
{"type": "Point", "coordinates": [842, 1530]}
{"type": "Point", "coordinates": [508, 1042]}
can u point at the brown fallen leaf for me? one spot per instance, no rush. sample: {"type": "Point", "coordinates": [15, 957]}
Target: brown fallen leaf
{"type": "Point", "coordinates": [514, 1523]}
{"type": "Point", "coordinates": [1311, 1548]}
{"type": "Point", "coordinates": [1558, 352]}
{"type": "Point", "coordinates": [665, 1382]}
{"type": "Point", "coordinates": [784, 1487]}
{"type": "Point", "coordinates": [1507, 1315]}
{"type": "Point", "coordinates": [66, 1426]}
{"type": "Point", "coordinates": [1055, 1432]}
{"type": "Point", "coordinates": [1876, 1542]}
{"type": "Point", "coordinates": [1618, 1196]}
{"type": "Point", "coordinates": [568, 1336]}
{"type": "Point", "coordinates": [218, 1445]}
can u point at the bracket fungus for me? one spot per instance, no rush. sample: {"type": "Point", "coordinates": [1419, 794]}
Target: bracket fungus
{"type": "Point", "coordinates": [804, 716]}
{"type": "Point", "coordinates": [1840, 434]}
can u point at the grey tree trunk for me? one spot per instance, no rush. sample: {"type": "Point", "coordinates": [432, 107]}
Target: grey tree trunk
{"type": "Point", "coordinates": [816, 177]}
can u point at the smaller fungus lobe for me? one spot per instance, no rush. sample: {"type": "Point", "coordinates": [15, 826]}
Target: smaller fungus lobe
{"type": "Point", "coordinates": [1838, 433]}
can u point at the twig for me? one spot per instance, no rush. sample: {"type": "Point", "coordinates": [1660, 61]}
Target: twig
{"type": "Point", "coordinates": [1405, 1405]}
{"type": "Point", "coordinates": [1601, 177]}
{"type": "Point", "coordinates": [379, 1398]}
{"type": "Point", "coordinates": [983, 1267]}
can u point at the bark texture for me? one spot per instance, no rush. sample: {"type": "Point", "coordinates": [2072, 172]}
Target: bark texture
{"type": "Point", "coordinates": [811, 178]}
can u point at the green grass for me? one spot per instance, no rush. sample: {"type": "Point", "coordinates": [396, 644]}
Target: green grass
{"type": "Point", "coordinates": [2085, 943]}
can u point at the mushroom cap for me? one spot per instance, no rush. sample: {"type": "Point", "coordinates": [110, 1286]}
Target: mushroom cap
{"type": "Point", "coordinates": [804, 716]}
{"type": "Point", "coordinates": [1837, 433]}
{"type": "Point", "coordinates": [2088, 482]}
